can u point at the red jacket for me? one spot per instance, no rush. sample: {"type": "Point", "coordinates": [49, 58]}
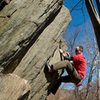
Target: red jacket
{"type": "Point", "coordinates": [80, 64]}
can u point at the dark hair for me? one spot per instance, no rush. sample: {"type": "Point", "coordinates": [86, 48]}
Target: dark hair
{"type": "Point", "coordinates": [79, 48]}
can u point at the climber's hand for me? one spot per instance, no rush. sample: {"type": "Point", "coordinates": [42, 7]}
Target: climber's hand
{"type": "Point", "coordinates": [61, 51]}
{"type": "Point", "coordinates": [68, 54]}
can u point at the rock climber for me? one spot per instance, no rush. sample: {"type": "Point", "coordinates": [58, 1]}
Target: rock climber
{"type": "Point", "coordinates": [76, 70]}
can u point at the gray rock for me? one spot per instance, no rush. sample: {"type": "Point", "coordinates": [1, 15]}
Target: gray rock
{"type": "Point", "coordinates": [12, 87]}
{"type": "Point", "coordinates": [30, 34]}
{"type": "Point", "coordinates": [45, 48]}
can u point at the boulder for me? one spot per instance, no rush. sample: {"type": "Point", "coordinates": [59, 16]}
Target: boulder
{"type": "Point", "coordinates": [30, 35]}
{"type": "Point", "coordinates": [12, 87]}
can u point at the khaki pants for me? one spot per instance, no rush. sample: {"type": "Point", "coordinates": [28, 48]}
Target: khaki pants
{"type": "Point", "coordinates": [72, 76]}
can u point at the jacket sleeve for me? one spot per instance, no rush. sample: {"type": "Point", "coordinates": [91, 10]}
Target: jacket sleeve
{"type": "Point", "coordinates": [77, 58]}
{"type": "Point", "coordinates": [68, 58]}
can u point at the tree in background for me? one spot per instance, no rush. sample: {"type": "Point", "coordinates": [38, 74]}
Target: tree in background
{"type": "Point", "coordinates": [91, 48]}
{"type": "Point", "coordinates": [93, 55]}
{"type": "Point", "coordinates": [95, 19]}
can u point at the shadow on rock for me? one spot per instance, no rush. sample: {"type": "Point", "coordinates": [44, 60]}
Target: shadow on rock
{"type": "Point", "coordinates": [52, 78]}
{"type": "Point", "coordinates": [24, 97]}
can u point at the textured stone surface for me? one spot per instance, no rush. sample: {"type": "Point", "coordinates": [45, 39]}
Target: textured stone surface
{"type": "Point", "coordinates": [23, 21]}
{"type": "Point", "coordinates": [62, 94]}
{"type": "Point", "coordinates": [13, 87]}
{"type": "Point", "coordinates": [32, 65]}
{"type": "Point", "coordinates": [30, 32]}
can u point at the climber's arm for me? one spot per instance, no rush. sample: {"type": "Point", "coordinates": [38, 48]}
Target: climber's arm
{"type": "Point", "coordinates": [68, 58]}
{"type": "Point", "coordinates": [66, 55]}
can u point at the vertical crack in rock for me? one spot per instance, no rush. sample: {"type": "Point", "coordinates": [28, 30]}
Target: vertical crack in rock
{"type": "Point", "coordinates": [50, 6]}
{"type": "Point", "coordinates": [3, 3]}
{"type": "Point", "coordinates": [7, 62]}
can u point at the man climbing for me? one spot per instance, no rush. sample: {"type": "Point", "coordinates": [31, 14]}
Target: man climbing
{"type": "Point", "coordinates": [76, 70]}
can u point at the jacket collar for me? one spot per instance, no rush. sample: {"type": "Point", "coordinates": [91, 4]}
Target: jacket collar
{"type": "Point", "coordinates": [78, 53]}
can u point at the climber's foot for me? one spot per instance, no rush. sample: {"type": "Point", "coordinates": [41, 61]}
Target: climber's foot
{"type": "Point", "coordinates": [50, 67]}
{"type": "Point", "coordinates": [56, 86]}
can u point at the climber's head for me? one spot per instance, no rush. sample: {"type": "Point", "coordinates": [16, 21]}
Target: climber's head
{"type": "Point", "coordinates": [79, 49]}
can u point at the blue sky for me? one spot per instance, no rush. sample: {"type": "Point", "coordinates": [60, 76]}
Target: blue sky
{"type": "Point", "coordinates": [79, 17]}
{"type": "Point", "coordinates": [80, 21]}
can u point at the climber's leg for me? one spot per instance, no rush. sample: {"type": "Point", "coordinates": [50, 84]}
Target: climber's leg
{"type": "Point", "coordinates": [73, 75]}
{"type": "Point", "coordinates": [57, 66]}
{"type": "Point", "coordinates": [69, 78]}
{"type": "Point", "coordinates": [65, 79]}
{"type": "Point", "coordinates": [61, 65]}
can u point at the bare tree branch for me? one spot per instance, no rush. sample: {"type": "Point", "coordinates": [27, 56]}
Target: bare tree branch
{"type": "Point", "coordinates": [90, 75]}
{"type": "Point", "coordinates": [98, 6]}
{"type": "Point", "coordinates": [76, 5]}
{"type": "Point", "coordinates": [94, 18]}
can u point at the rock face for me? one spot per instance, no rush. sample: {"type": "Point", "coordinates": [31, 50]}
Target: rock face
{"type": "Point", "coordinates": [13, 87]}
{"type": "Point", "coordinates": [30, 32]}
{"type": "Point", "coordinates": [62, 94]}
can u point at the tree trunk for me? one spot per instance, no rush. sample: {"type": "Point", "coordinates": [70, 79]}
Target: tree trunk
{"type": "Point", "coordinates": [95, 18]}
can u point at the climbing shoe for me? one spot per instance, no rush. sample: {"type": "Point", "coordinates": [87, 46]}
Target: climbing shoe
{"type": "Point", "coordinates": [50, 67]}
{"type": "Point", "coordinates": [78, 85]}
